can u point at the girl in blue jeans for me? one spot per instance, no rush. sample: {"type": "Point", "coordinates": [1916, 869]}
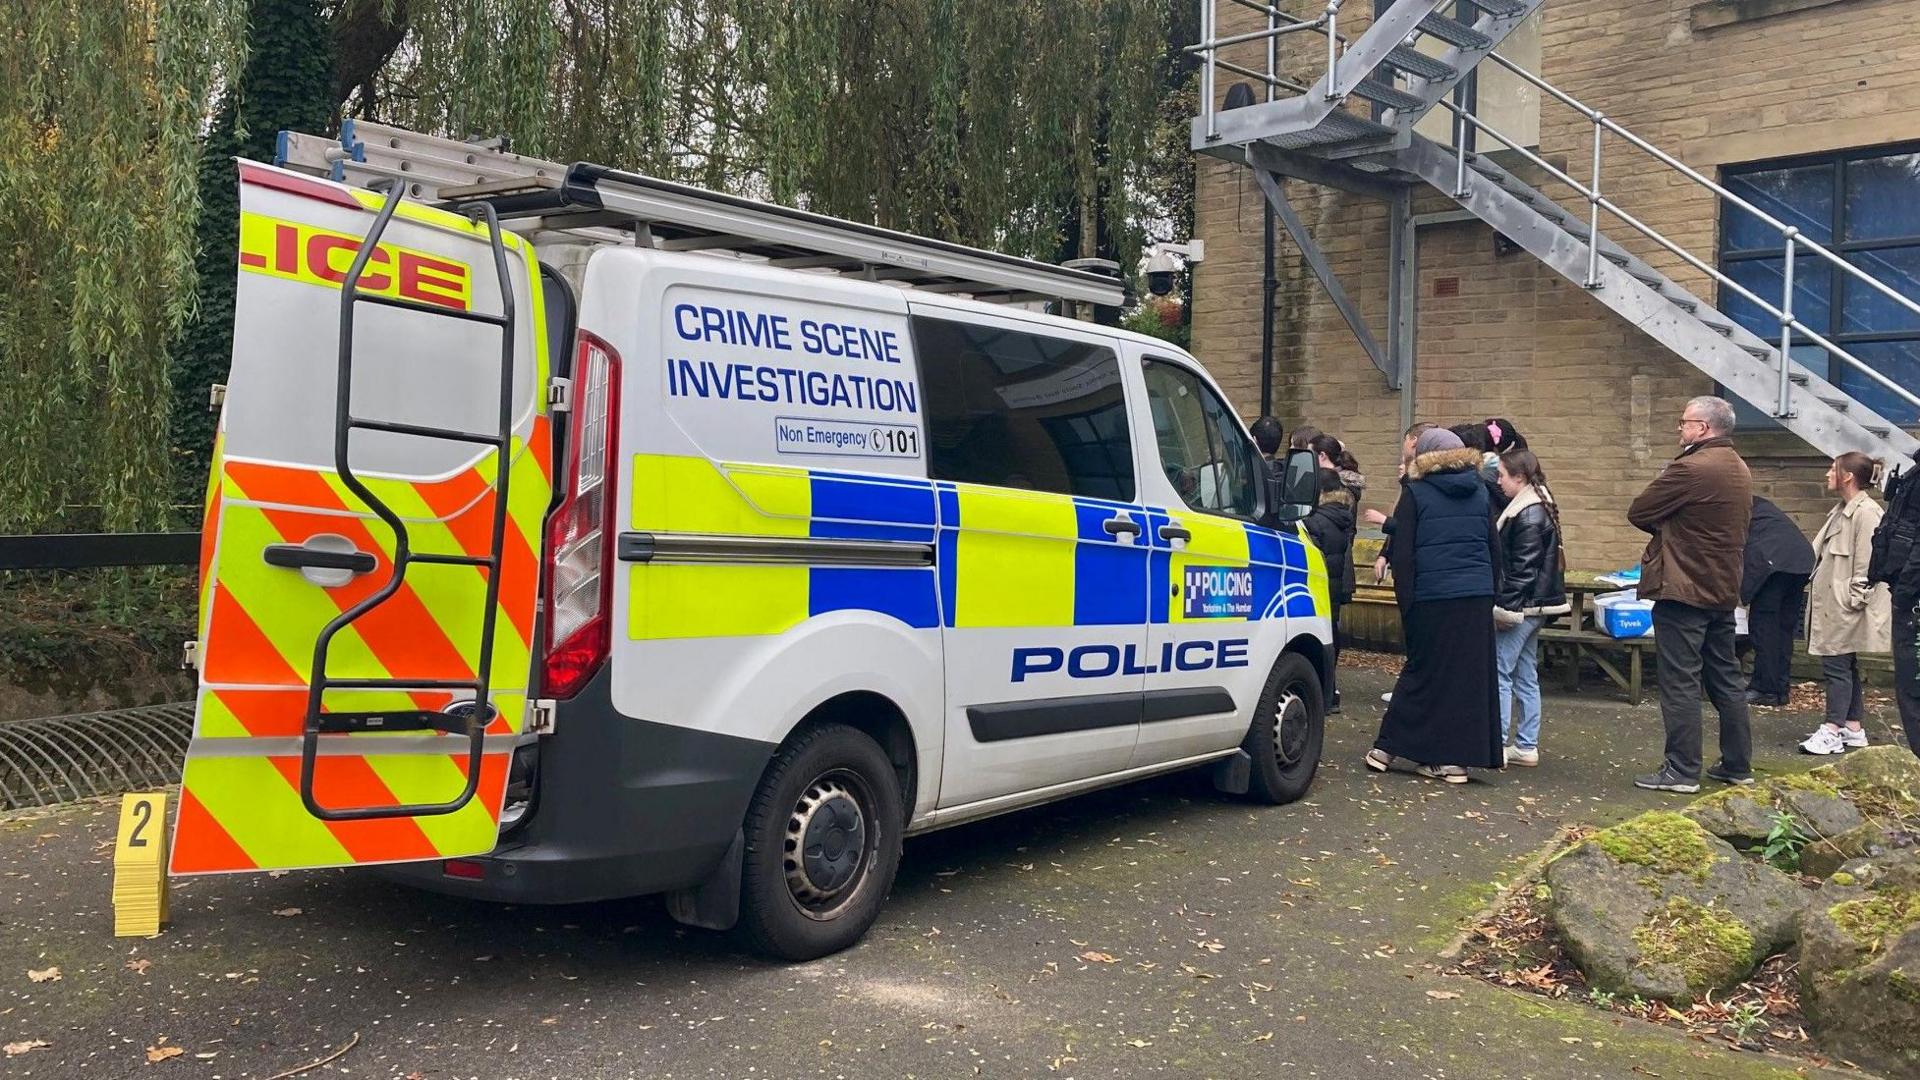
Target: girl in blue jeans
{"type": "Point", "coordinates": [1532, 588]}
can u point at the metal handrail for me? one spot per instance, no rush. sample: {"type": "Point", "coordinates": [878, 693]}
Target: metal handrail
{"type": "Point", "coordinates": [1598, 201]}
{"type": "Point", "coordinates": [1279, 24]}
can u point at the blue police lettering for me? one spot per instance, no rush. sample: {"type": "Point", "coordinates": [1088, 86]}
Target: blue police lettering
{"type": "Point", "coordinates": [1101, 661]}
{"type": "Point", "coordinates": [1107, 656]}
{"type": "Point", "coordinates": [1037, 661]}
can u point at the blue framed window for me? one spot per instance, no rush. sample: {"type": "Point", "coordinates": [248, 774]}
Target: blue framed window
{"type": "Point", "coordinates": [1863, 205]}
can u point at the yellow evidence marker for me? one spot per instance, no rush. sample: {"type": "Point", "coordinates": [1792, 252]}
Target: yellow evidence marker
{"type": "Point", "coordinates": [140, 866]}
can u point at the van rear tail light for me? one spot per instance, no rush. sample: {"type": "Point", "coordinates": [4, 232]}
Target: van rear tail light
{"type": "Point", "coordinates": [579, 538]}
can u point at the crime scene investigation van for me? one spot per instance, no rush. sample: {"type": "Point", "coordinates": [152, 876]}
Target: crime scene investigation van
{"type": "Point", "coordinates": [573, 534]}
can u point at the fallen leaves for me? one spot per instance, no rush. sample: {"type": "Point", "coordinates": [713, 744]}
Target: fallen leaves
{"type": "Point", "coordinates": [1210, 946]}
{"type": "Point", "coordinates": [140, 966]}
{"type": "Point", "coordinates": [44, 975]}
{"type": "Point", "coordinates": [1443, 995]}
{"type": "Point", "coordinates": [288, 912]}
{"type": "Point", "coordinates": [15, 1049]}
{"type": "Point", "coordinates": [158, 1054]}
{"type": "Point", "coordinates": [1092, 956]}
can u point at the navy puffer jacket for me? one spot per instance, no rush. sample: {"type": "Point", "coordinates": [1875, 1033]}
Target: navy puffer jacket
{"type": "Point", "coordinates": [1443, 530]}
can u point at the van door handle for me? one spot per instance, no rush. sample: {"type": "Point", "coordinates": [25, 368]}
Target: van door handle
{"type": "Point", "coordinates": [301, 557]}
{"type": "Point", "coordinates": [1116, 526]}
{"type": "Point", "coordinates": [1175, 531]}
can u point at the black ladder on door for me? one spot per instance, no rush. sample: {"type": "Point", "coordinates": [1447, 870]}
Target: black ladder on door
{"type": "Point", "coordinates": [468, 717]}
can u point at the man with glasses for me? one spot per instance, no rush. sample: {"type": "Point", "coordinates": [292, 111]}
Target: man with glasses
{"type": "Point", "coordinates": [1697, 511]}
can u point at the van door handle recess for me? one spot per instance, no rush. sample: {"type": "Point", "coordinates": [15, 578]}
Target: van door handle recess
{"type": "Point", "coordinates": [1175, 532]}
{"type": "Point", "coordinates": [1116, 526]}
{"type": "Point", "coordinates": [301, 557]}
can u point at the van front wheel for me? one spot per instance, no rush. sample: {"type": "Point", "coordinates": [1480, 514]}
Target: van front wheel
{"type": "Point", "coordinates": [822, 844]}
{"type": "Point", "coordinates": [1289, 726]}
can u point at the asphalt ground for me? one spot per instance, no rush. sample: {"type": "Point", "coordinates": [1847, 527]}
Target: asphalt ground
{"type": "Point", "coordinates": [1244, 941]}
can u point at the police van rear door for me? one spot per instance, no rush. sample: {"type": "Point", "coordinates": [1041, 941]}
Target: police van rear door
{"type": "Point", "coordinates": [370, 573]}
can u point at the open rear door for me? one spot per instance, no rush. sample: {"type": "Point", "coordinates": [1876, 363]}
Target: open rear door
{"type": "Point", "coordinates": [371, 568]}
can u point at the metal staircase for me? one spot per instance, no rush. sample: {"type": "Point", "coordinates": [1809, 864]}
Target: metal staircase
{"type": "Point", "coordinates": [1315, 135]}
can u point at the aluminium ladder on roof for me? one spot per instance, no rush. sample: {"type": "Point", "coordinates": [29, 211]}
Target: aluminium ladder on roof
{"type": "Point", "coordinates": [678, 217]}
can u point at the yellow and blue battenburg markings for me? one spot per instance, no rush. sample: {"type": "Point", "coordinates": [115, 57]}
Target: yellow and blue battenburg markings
{"type": "Point", "coordinates": [1001, 557]}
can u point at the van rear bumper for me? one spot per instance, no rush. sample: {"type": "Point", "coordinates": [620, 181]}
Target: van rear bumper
{"type": "Point", "coordinates": [622, 807]}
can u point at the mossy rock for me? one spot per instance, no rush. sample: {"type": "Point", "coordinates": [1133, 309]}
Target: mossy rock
{"type": "Point", "coordinates": [1658, 907]}
{"type": "Point", "coordinates": [1744, 816]}
{"type": "Point", "coordinates": [1883, 781]}
{"type": "Point", "coordinates": [1661, 840]}
{"type": "Point", "coordinates": [1859, 963]}
{"type": "Point", "coordinates": [1826, 856]}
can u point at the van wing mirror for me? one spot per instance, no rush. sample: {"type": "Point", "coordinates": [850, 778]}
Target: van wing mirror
{"type": "Point", "coordinates": [1293, 492]}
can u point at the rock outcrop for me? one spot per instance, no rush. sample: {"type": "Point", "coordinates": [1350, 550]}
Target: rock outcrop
{"type": "Point", "coordinates": [1658, 907]}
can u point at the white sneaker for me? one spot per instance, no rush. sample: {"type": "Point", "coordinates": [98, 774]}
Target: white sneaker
{"type": "Point", "coordinates": [1517, 756]}
{"type": "Point", "coordinates": [1824, 741]}
{"type": "Point", "coordinates": [1855, 738]}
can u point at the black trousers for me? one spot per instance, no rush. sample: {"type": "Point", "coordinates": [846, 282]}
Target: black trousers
{"type": "Point", "coordinates": [1906, 664]}
{"type": "Point", "coordinates": [1694, 648]}
{"type": "Point", "coordinates": [1773, 620]}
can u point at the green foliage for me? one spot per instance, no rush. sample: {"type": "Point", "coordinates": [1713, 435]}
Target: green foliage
{"type": "Point", "coordinates": [286, 83]}
{"type": "Point", "coordinates": [1746, 1020]}
{"type": "Point", "coordinates": [1599, 998]}
{"type": "Point", "coordinates": [1159, 318]}
{"type": "Point", "coordinates": [72, 634]}
{"type": "Point", "coordinates": [1785, 841]}
{"type": "Point", "coordinates": [105, 102]}
{"type": "Point", "coordinates": [1661, 840]}
{"type": "Point", "coordinates": [1009, 125]}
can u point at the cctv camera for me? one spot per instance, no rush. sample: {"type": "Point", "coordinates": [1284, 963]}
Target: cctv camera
{"type": "Point", "coordinates": [1160, 271]}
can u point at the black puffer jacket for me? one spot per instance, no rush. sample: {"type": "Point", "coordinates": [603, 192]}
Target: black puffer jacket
{"type": "Point", "coordinates": [1442, 542]}
{"type": "Point", "coordinates": [1331, 526]}
{"type": "Point", "coordinates": [1532, 581]}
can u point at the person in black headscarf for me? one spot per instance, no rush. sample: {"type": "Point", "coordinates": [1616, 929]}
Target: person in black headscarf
{"type": "Point", "coordinates": [1445, 714]}
{"type": "Point", "coordinates": [1773, 586]}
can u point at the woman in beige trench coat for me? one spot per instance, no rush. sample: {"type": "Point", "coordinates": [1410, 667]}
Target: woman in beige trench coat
{"type": "Point", "coordinates": [1847, 614]}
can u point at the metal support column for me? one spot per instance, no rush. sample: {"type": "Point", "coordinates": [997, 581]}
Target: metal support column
{"type": "Point", "coordinates": [1277, 199]}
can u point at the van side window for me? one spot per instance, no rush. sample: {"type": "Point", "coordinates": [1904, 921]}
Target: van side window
{"type": "Point", "coordinates": [1021, 410]}
{"type": "Point", "coordinates": [1202, 448]}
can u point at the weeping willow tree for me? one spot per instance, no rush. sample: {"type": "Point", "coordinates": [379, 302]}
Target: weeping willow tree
{"type": "Point", "coordinates": [1021, 125]}
{"type": "Point", "coordinates": [102, 107]}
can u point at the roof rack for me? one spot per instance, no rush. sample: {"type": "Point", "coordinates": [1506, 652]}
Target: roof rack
{"type": "Point", "coordinates": [547, 195]}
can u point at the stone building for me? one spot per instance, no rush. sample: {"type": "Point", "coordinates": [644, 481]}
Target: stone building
{"type": "Point", "coordinates": [1809, 108]}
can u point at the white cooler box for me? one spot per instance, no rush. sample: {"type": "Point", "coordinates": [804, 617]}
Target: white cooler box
{"type": "Point", "coordinates": [1623, 614]}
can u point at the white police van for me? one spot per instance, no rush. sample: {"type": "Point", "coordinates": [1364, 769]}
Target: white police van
{"type": "Point", "coordinates": [580, 535]}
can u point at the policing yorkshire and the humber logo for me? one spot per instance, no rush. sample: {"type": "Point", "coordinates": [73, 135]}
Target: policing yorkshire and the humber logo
{"type": "Point", "coordinates": [1217, 592]}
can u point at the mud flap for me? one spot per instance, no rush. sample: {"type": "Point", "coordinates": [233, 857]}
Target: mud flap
{"type": "Point", "coordinates": [714, 904]}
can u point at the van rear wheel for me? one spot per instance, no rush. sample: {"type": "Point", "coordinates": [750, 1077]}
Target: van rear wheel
{"type": "Point", "coordinates": [822, 844]}
{"type": "Point", "coordinates": [1289, 727]}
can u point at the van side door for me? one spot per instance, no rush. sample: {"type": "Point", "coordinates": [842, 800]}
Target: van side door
{"type": "Point", "coordinates": [1042, 552]}
{"type": "Point", "coordinates": [1221, 583]}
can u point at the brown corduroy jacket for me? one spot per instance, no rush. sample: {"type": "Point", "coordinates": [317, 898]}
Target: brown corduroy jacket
{"type": "Point", "coordinates": [1698, 511]}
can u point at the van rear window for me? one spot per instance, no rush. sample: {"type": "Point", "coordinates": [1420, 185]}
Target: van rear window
{"type": "Point", "coordinates": [1022, 410]}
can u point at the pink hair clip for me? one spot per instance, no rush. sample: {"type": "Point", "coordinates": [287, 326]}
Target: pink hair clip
{"type": "Point", "coordinates": [1493, 429]}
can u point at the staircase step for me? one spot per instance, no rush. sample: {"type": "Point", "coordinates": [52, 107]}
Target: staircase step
{"type": "Point", "coordinates": [1878, 432]}
{"type": "Point", "coordinates": [1340, 126]}
{"type": "Point", "coordinates": [1759, 352]}
{"type": "Point", "coordinates": [1725, 330]}
{"type": "Point", "coordinates": [1414, 62]}
{"type": "Point", "coordinates": [1837, 404]}
{"type": "Point", "coordinates": [1501, 8]}
{"type": "Point", "coordinates": [1454, 33]}
{"type": "Point", "coordinates": [1684, 304]}
{"type": "Point", "coordinates": [1799, 378]}
{"type": "Point", "coordinates": [1389, 95]}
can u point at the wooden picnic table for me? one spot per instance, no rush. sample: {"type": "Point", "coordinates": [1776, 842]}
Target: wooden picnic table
{"type": "Point", "coordinates": [1578, 637]}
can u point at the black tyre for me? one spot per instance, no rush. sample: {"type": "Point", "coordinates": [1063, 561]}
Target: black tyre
{"type": "Point", "coordinates": [822, 844]}
{"type": "Point", "coordinates": [1288, 729]}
